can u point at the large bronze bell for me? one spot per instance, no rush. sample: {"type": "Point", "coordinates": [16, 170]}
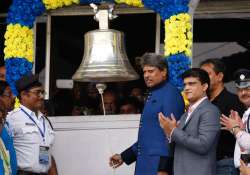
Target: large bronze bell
{"type": "Point", "coordinates": [105, 59]}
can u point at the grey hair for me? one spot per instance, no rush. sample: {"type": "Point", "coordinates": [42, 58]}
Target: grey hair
{"type": "Point", "coordinates": [155, 60]}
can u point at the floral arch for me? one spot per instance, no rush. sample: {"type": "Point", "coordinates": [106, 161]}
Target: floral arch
{"type": "Point", "coordinates": [22, 14]}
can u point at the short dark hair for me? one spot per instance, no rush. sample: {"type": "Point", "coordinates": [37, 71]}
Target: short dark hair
{"type": "Point", "coordinates": [27, 82]}
{"type": "Point", "coordinates": [219, 66]}
{"type": "Point", "coordinates": [198, 73]}
{"type": "Point", "coordinates": [3, 86]}
{"type": "Point", "coordinates": [155, 60]}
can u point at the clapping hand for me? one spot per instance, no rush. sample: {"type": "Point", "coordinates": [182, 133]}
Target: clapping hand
{"type": "Point", "coordinates": [235, 115]}
{"type": "Point", "coordinates": [167, 123]}
{"type": "Point", "coordinates": [231, 121]}
{"type": "Point", "coordinates": [244, 170]}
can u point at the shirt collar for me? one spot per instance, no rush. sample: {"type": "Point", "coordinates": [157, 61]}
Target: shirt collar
{"type": "Point", "coordinates": [31, 113]}
{"type": "Point", "coordinates": [158, 86]}
{"type": "Point", "coordinates": [247, 112]}
{"type": "Point", "coordinates": [196, 104]}
{"type": "Point", "coordinates": [220, 95]}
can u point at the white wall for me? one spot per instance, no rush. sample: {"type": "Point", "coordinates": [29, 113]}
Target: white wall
{"type": "Point", "coordinates": [84, 143]}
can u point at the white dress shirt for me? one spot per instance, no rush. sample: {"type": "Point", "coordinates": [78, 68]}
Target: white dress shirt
{"type": "Point", "coordinates": [242, 145]}
{"type": "Point", "coordinates": [28, 139]}
{"type": "Point", "coordinates": [193, 107]}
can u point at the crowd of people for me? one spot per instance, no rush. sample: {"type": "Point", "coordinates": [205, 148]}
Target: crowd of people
{"type": "Point", "coordinates": [211, 135]}
{"type": "Point", "coordinates": [84, 99]}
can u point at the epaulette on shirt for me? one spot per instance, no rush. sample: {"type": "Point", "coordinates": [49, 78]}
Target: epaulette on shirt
{"type": "Point", "coordinates": [14, 111]}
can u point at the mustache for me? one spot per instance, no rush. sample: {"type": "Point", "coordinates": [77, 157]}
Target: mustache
{"type": "Point", "coordinates": [245, 96]}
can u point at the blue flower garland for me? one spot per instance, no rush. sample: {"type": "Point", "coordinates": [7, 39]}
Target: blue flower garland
{"type": "Point", "coordinates": [177, 65]}
{"type": "Point", "coordinates": [167, 8]}
{"type": "Point", "coordinates": [24, 12]}
{"type": "Point", "coordinates": [15, 69]}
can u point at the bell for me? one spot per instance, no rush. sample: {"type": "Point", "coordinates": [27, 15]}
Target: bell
{"type": "Point", "coordinates": [105, 59]}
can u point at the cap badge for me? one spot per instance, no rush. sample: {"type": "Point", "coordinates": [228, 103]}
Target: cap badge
{"type": "Point", "coordinates": [242, 77]}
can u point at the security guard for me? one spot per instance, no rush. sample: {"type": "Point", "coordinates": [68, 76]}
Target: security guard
{"type": "Point", "coordinates": [32, 133]}
{"type": "Point", "coordinates": [151, 151]}
{"type": "Point", "coordinates": [240, 128]}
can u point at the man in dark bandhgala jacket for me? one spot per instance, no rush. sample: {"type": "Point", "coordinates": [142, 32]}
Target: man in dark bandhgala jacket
{"type": "Point", "coordinates": [151, 151]}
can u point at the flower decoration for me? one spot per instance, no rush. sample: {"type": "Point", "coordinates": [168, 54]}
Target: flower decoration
{"type": "Point", "coordinates": [18, 42]}
{"type": "Point", "coordinates": [15, 69]}
{"type": "Point", "coordinates": [53, 4]}
{"type": "Point", "coordinates": [17, 103]}
{"type": "Point", "coordinates": [22, 14]}
{"type": "Point", "coordinates": [167, 8]}
{"type": "Point", "coordinates": [177, 65]}
{"type": "Point", "coordinates": [186, 102]}
{"type": "Point", "coordinates": [178, 43]}
{"type": "Point", "coordinates": [136, 3]}
{"type": "Point", "coordinates": [178, 34]}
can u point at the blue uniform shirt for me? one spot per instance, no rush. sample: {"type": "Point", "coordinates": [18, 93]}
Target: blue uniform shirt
{"type": "Point", "coordinates": [8, 142]}
{"type": "Point", "coordinates": [1, 167]}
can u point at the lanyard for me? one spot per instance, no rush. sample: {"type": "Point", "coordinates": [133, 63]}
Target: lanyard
{"type": "Point", "coordinates": [5, 156]}
{"type": "Point", "coordinates": [247, 124]}
{"type": "Point", "coordinates": [40, 130]}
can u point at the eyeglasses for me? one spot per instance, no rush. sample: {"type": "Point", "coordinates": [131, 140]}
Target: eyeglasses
{"type": "Point", "coordinates": [38, 92]}
{"type": "Point", "coordinates": [243, 89]}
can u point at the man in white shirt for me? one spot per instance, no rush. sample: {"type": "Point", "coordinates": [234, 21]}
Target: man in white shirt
{"type": "Point", "coordinates": [32, 134]}
{"type": "Point", "coordinates": [240, 128]}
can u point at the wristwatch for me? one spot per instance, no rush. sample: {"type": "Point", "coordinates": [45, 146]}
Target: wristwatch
{"type": "Point", "coordinates": [233, 128]}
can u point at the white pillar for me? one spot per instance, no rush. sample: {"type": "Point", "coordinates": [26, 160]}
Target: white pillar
{"type": "Point", "coordinates": [192, 7]}
{"type": "Point", "coordinates": [47, 62]}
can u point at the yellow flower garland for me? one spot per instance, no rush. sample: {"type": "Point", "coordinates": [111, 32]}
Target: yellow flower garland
{"type": "Point", "coordinates": [17, 103]}
{"type": "Point", "coordinates": [18, 42]}
{"type": "Point", "coordinates": [186, 102]}
{"type": "Point", "coordinates": [178, 35]}
{"type": "Point", "coordinates": [53, 4]}
{"type": "Point", "coordinates": [136, 3]}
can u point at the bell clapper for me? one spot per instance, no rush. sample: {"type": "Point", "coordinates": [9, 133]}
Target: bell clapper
{"type": "Point", "coordinates": [101, 87]}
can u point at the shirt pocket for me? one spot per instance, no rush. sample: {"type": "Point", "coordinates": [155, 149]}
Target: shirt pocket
{"type": "Point", "coordinates": [51, 137]}
{"type": "Point", "coordinates": [31, 134]}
